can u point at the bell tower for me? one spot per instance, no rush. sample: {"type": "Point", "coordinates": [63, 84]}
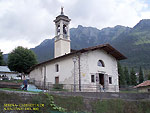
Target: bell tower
{"type": "Point", "coordinates": [62, 35]}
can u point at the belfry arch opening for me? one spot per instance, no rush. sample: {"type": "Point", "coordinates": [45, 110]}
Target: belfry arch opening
{"type": "Point", "coordinates": [58, 30]}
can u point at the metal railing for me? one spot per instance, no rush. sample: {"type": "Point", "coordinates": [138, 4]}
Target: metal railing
{"type": "Point", "coordinates": [48, 86]}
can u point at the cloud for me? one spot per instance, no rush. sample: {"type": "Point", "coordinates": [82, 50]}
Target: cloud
{"type": "Point", "coordinates": [105, 13]}
{"type": "Point", "coordinates": [31, 21]}
{"type": "Point", "coordinates": [25, 19]}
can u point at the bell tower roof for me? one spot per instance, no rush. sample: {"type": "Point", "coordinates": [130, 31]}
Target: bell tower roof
{"type": "Point", "coordinates": [62, 16]}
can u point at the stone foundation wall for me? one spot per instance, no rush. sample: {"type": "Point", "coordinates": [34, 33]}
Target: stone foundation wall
{"type": "Point", "coordinates": [106, 95]}
{"type": "Point", "coordinates": [94, 95]}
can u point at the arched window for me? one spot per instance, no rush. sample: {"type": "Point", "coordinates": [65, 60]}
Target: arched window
{"type": "Point", "coordinates": [100, 63]}
{"type": "Point", "coordinates": [58, 30]}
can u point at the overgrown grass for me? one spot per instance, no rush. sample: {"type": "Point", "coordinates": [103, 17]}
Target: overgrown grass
{"type": "Point", "coordinates": [59, 90]}
{"type": "Point", "coordinates": [120, 106]}
{"type": "Point", "coordinates": [70, 103]}
{"type": "Point", "coordinates": [58, 87]}
{"type": "Point", "coordinates": [57, 104]}
{"type": "Point", "coordinates": [108, 106]}
{"type": "Point", "coordinates": [7, 98]}
{"type": "Point", "coordinates": [49, 105]}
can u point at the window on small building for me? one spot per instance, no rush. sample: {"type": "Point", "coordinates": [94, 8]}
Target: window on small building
{"type": "Point", "coordinates": [110, 80]}
{"type": "Point", "coordinates": [100, 63]}
{"type": "Point", "coordinates": [92, 78]}
{"type": "Point", "coordinates": [57, 67]}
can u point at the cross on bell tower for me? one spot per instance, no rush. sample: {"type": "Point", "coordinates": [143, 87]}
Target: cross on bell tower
{"type": "Point", "coordinates": [62, 35]}
{"type": "Point", "coordinates": [62, 12]}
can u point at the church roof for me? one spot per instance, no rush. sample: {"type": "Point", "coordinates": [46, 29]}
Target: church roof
{"type": "Point", "coordinates": [62, 17]}
{"type": "Point", "coordinates": [106, 47]}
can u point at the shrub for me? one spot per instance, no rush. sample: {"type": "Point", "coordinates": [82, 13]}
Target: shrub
{"type": "Point", "coordinates": [48, 102]}
{"type": "Point", "coordinates": [58, 86]}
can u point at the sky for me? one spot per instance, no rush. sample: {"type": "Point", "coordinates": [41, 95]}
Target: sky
{"type": "Point", "coordinates": [28, 22]}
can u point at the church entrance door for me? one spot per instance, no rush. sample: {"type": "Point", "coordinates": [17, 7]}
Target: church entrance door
{"type": "Point", "coordinates": [101, 79]}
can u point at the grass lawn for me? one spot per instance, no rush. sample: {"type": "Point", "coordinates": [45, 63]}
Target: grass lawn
{"type": "Point", "coordinates": [12, 81]}
{"type": "Point", "coordinates": [129, 92]}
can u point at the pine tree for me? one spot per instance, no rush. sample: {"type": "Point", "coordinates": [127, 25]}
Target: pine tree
{"type": "Point", "coordinates": [133, 77]}
{"type": "Point", "coordinates": [121, 75]}
{"type": "Point", "coordinates": [127, 76]}
{"type": "Point", "coordinates": [141, 78]}
{"type": "Point", "coordinates": [1, 59]}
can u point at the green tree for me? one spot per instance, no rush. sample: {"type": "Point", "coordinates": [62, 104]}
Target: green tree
{"type": "Point", "coordinates": [148, 76]}
{"type": "Point", "coordinates": [141, 78]}
{"type": "Point", "coordinates": [127, 76]}
{"type": "Point", "coordinates": [1, 59]}
{"type": "Point", "coordinates": [121, 75]}
{"type": "Point", "coordinates": [133, 77]}
{"type": "Point", "coordinates": [21, 59]}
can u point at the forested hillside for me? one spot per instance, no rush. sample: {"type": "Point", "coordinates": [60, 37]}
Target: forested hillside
{"type": "Point", "coordinates": [134, 42]}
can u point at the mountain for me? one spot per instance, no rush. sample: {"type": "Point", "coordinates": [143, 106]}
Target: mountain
{"type": "Point", "coordinates": [134, 42]}
{"type": "Point", "coordinates": [45, 50]}
{"type": "Point", "coordinates": [81, 37]}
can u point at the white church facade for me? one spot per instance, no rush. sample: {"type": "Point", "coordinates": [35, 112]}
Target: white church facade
{"type": "Point", "coordinates": [85, 69]}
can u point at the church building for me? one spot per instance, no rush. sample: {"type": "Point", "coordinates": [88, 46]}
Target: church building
{"type": "Point", "coordinates": [80, 70]}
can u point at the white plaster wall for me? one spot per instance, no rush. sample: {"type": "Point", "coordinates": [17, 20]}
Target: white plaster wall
{"type": "Point", "coordinates": [84, 67]}
{"type": "Point", "coordinates": [62, 47]}
{"type": "Point", "coordinates": [88, 66]}
{"type": "Point", "coordinates": [37, 74]}
{"type": "Point", "coordinates": [110, 67]}
{"type": "Point", "coordinates": [65, 72]}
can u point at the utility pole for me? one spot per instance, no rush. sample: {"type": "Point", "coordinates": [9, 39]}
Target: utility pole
{"type": "Point", "coordinates": [74, 61]}
{"type": "Point", "coordinates": [44, 76]}
{"type": "Point", "coordinates": [79, 72]}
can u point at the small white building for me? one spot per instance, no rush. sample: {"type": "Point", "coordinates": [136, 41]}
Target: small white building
{"type": "Point", "coordinates": [85, 69]}
{"type": "Point", "coordinates": [6, 73]}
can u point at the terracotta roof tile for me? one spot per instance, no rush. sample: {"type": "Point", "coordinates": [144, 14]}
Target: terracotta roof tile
{"type": "Point", "coordinates": [145, 83]}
